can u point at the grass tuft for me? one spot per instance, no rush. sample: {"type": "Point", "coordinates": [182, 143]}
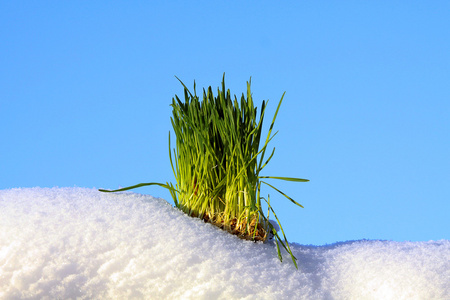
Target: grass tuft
{"type": "Point", "coordinates": [217, 160]}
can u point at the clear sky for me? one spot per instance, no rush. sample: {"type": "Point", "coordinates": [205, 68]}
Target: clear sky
{"type": "Point", "coordinates": [85, 89]}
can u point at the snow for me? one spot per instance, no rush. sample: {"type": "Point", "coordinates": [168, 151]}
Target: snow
{"type": "Point", "coordinates": [72, 243]}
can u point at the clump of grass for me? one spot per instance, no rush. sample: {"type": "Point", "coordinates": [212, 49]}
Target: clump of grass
{"type": "Point", "coordinates": [217, 160]}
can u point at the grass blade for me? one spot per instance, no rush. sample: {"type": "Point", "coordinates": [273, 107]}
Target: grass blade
{"type": "Point", "coordinates": [139, 185]}
{"type": "Point", "coordinates": [292, 200]}
{"type": "Point", "coordinates": [286, 178]}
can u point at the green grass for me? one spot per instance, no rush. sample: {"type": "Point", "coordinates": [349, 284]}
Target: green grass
{"type": "Point", "coordinates": [217, 160]}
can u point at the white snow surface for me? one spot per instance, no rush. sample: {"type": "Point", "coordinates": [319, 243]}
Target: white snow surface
{"type": "Point", "coordinates": [78, 243]}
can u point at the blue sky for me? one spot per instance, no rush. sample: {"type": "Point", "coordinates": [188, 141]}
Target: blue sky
{"type": "Point", "coordinates": [85, 89]}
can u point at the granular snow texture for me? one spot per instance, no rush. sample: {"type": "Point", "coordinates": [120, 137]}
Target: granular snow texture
{"type": "Point", "coordinates": [78, 243]}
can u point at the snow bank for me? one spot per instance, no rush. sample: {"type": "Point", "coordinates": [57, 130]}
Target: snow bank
{"type": "Point", "coordinates": [77, 242]}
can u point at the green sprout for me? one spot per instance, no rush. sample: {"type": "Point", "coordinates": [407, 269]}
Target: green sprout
{"type": "Point", "coordinates": [217, 162]}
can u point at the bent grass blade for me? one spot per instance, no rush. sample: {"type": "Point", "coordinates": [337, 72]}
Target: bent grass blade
{"type": "Point", "coordinates": [167, 186]}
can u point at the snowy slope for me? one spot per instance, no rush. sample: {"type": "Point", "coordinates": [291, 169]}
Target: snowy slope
{"type": "Point", "coordinates": [77, 242]}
